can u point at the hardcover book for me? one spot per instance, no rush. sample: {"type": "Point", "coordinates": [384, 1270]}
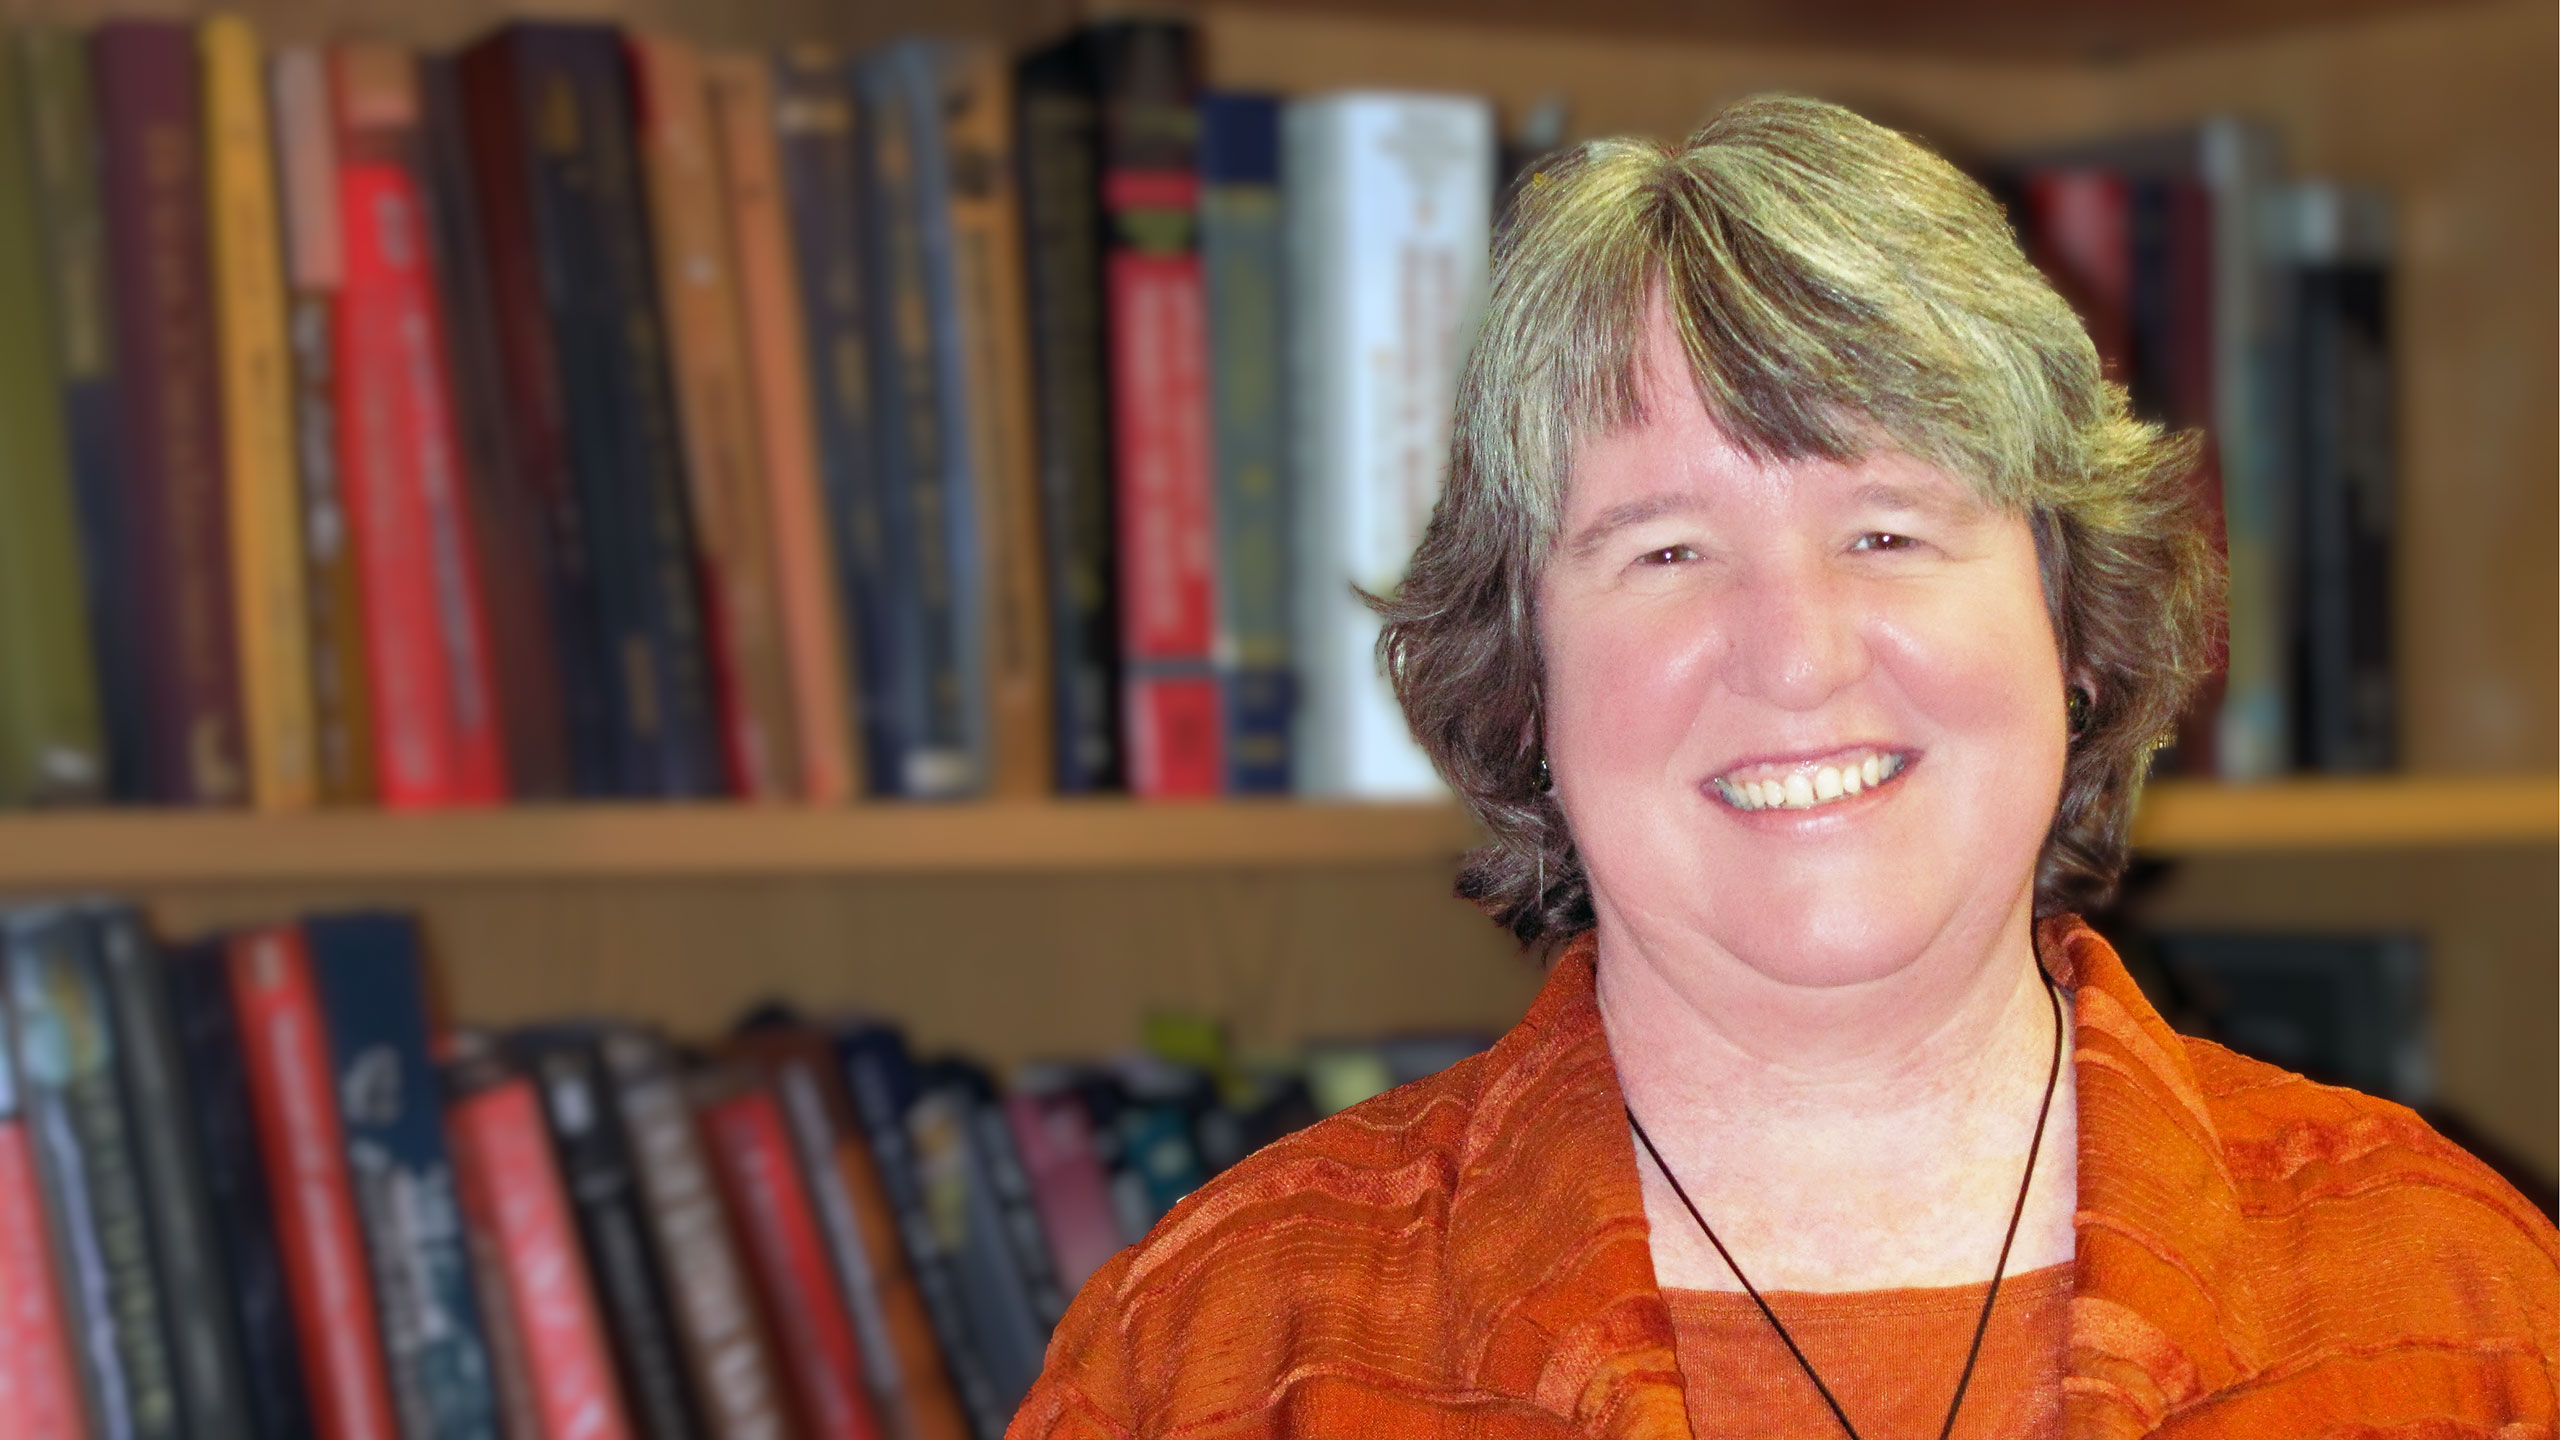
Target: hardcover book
{"type": "Point", "coordinates": [204, 1330]}
{"type": "Point", "coordinates": [1008, 1301]}
{"type": "Point", "coordinates": [725, 1344]}
{"type": "Point", "coordinates": [39, 1385]}
{"type": "Point", "coordinates": [366, 972]}
{"type": "Point", "coordinates": [81, 1120]}
{"type": "Point", "coordinates": [272, 627]}
{"type": "Point", "coordinates": [1386, 203]}
{"type": "Point", "coordinates": [178, 566]}
{"type": "Point", "coordinates": [51, 747]}
{"type": "Point", "coordinates": [1240, 253]}
{"type": "Point", "coordinates": [235, 1184]}
{"type": "Point", "coordinates": [631, 1285]}
{"type": "Point", "coordinates": [60, 114]}
{"type": "Point", "coordinates": [1059, 116]}
{"type": "Point", "coordinates": [745, 119]}
{"type": "Point", "coordinates": [733, 539]}
{"type": "Point", "coordinates": [310, 1184]}
{"type": "Point", "coordinates": [315, 272]}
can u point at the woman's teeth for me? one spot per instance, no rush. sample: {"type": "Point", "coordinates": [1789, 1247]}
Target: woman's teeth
{"type": "Point", "coordinates": [1807, 789]}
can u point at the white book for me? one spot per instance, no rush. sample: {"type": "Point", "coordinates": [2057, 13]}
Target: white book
{"type": "Point", "coordinates": [1388, 202]}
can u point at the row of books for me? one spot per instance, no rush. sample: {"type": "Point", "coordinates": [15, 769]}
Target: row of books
{"type": "Point", "coordinates": [248, 1190]}
{"type": "Point", "coordinates": [583, 414]}
{"type": "Point", "coordinates": [2230, 298]}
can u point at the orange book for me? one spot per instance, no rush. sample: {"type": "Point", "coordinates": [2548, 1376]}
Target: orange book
{"type": "Point", "coordinates": [256, 379]}
{"type": "Point", "coordinates": [804, 562]}
{"type": "Point", "coordinates": [707, 354]}
{"type": "Point", "coordinates": [986, 230]}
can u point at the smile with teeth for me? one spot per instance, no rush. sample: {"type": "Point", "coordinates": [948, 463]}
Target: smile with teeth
{"type": "Point", "coordinates": [1808, 786]}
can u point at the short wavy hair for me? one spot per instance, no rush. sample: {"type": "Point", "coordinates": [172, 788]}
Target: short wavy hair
{"type": "Point", "coordinates": [1837, 286]}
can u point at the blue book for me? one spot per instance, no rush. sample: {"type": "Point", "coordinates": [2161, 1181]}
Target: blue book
{"type": "Point", "coordinates": [1240, 254]}
{"type": "Point", "coordinates": [373, 1000]}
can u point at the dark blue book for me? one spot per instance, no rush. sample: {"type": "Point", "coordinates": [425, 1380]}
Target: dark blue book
{"type": "Point", "coordinates": [922, 432]}
{"type": "Point", "coordinates": [1059, 116]}
{"type": "Point", "coordinates": [881, 1077]}
{"type": "Point", "coordinates": [1240, 255]}
{"type": "Point", "coordinates": [973, 1187]}
{"type": "Point", "coordinates": [235, 1187]}
{"type": "Point", "coordinates": [551, 126]}
{"type": "Point", "coordinates": [204, 1331]}
{"type": "Point", "coordinates": [79, 1118]}
{"type": "Point", "coordinates": [373, 999]}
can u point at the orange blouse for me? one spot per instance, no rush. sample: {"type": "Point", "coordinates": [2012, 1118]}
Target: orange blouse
{"type": "Point", "coordinates": [2258, 1257]}
{"type": "Point", "coordinates": [1890, 1357]}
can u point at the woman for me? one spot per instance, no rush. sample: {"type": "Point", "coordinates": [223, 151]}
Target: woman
{"type": "Point", "coordinates": [1798, 618]}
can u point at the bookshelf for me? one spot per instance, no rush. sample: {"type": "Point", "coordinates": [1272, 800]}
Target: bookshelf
{"type": "Point", "coordinates": [108, 849]}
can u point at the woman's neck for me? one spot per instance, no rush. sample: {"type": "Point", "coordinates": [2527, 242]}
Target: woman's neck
{"type": "Point", "coordinates": [1856, 1137]}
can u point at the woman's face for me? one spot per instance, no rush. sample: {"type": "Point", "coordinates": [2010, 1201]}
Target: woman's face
{"type": "Point", "coordinates": [1810, 712]}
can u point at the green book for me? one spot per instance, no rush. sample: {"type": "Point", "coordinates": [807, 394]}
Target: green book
{"type": "Point", "coordinates": [50, 740]}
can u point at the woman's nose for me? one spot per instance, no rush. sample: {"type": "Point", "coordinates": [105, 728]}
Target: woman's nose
{"type": "Point", "coordinates": [1796, 637]}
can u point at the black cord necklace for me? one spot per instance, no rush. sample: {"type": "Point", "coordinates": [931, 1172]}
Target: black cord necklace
{"type": "Point", "coordinates": [1981, 1326]}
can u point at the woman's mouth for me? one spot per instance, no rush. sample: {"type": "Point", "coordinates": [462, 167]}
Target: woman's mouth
{"type": "Point", "coordinates": [1810, 784]}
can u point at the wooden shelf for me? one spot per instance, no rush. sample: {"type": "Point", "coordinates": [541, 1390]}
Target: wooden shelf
{"type": "Point", "coordinates": [106, 848]}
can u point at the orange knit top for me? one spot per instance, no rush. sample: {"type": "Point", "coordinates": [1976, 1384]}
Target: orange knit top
{"type": "Point", "coordinates": [2257, 1256]}
{"type": "Point", "coordinates": [1890, 1357]}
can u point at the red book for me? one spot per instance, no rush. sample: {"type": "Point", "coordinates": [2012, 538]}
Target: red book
{"type": "Point", "coordinates": [438, 741]}
{"type": "Point", "coordinates": [751, 1150]}
{"type": "Point", "coordinates": [510, 1188]}
{"type": "Point", "coordinates": [1155, 314]}
{"type": "Point", "coordinates": [2082, 223]}
{"type": "Point", "coordinates": [39, 1396]}
{"type": "Point", "coordinates": [292, 1095]}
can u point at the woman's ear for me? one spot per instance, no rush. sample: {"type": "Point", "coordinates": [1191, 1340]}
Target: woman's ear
{"type": "Point", "coordinates": [2079, 698]}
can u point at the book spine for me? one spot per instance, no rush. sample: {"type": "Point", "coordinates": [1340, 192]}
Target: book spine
{"type": "Point", "coordinates": [150, 108]}
{"type": "Point", "coordinates": [277, 1003]}
{"type": "Point", "coordinates": [927, 532]}
{"type": "Point", "coordinates": [1067, 1183]}
{"type": "Point", "coordinates": [751, 1148]}
{"type": "Point", "coordinates": [993, 1153]}
{"type": "Point", "coordinates": [273, 625]}
{"type": "Point", "coordinates": [820, 149]}
{"type": "Point", "coordinates": [715, 1310]}
{"type": "Point", "coordinates": [505, 521]}
{"type": "Point", "coordinates": [505, 81]}
{"type": "Point", "coordinates": [315, 271]}
{"type": "Point", "coordinates": [512, 1187]}
{"type": "Point", "coordinates": [698, 293]}
{"type": "Point", "coordinates": [776, 383]}
{"type": "Point", "coordinates": [1372, 385]}
{"type": "Point", "coordinates": [366, 973]}
{"type": "Point", "coordinates": [968, 1226]}
{"type": "Point", "coordinates": [61, 120]}
{"type": "Point", "coordinates": [1240, 250]}
{"type": "Point", "coordinates": [440, 742]}
{"type": "Point", "coordinates": [1155, 314]}
{"type": "Point", "coordinates": [829, 1170]}
{"type": "Point", "coordinates": [510, 1368]}
{"type": "Point", "coordinates": [204, 1331]}
{"type": "Point", "coordinates": [879, 1079]}
{"type": "Point", "coordinates": [39, 1392]}
{"type": "Point", "coordinates": [648, 453]}
{"type": "Point", "coordinates": [1060, 158]}
{"type": "Point", "coordinates": [51, 747]}
{"type": "Point", "coordinates": [82, 1124]}
{"type": "Point", "coordinates": [217, 1088]}
{"type": "Point", "coordinates": [992, 328]}
{"type": "Point", "coordinates": [596, 1170]}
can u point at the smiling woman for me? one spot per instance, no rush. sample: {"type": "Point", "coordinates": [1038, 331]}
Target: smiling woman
{"type": "Point", "coordinates": [1798, 619]}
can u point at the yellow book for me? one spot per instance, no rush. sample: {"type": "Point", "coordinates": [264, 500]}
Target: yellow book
{"type": "Point", "coordinates": [257, 420]}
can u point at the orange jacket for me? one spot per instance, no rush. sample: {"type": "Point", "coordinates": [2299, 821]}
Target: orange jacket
{"type": "Point", "coordinates": [2258, 1256]}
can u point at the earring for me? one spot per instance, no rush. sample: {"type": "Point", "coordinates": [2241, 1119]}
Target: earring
{"type": "Point", "coordinates": [1546, 778]}
{"type": "Point", "coordinates": [2075, 709]}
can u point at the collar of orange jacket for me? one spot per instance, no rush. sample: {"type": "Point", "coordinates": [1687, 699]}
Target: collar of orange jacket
{"type": "Point", "coordinates": [2158, 1314]}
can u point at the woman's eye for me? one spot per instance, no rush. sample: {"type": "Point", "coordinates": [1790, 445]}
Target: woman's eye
{"type": "Point", "coordinates": [1667, 555]}
{"type": "Point", "coordinates": [1883, 540]}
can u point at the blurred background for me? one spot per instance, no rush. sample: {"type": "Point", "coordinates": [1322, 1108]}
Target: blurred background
{"type": "Point", "coordinates": [713, 505]}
